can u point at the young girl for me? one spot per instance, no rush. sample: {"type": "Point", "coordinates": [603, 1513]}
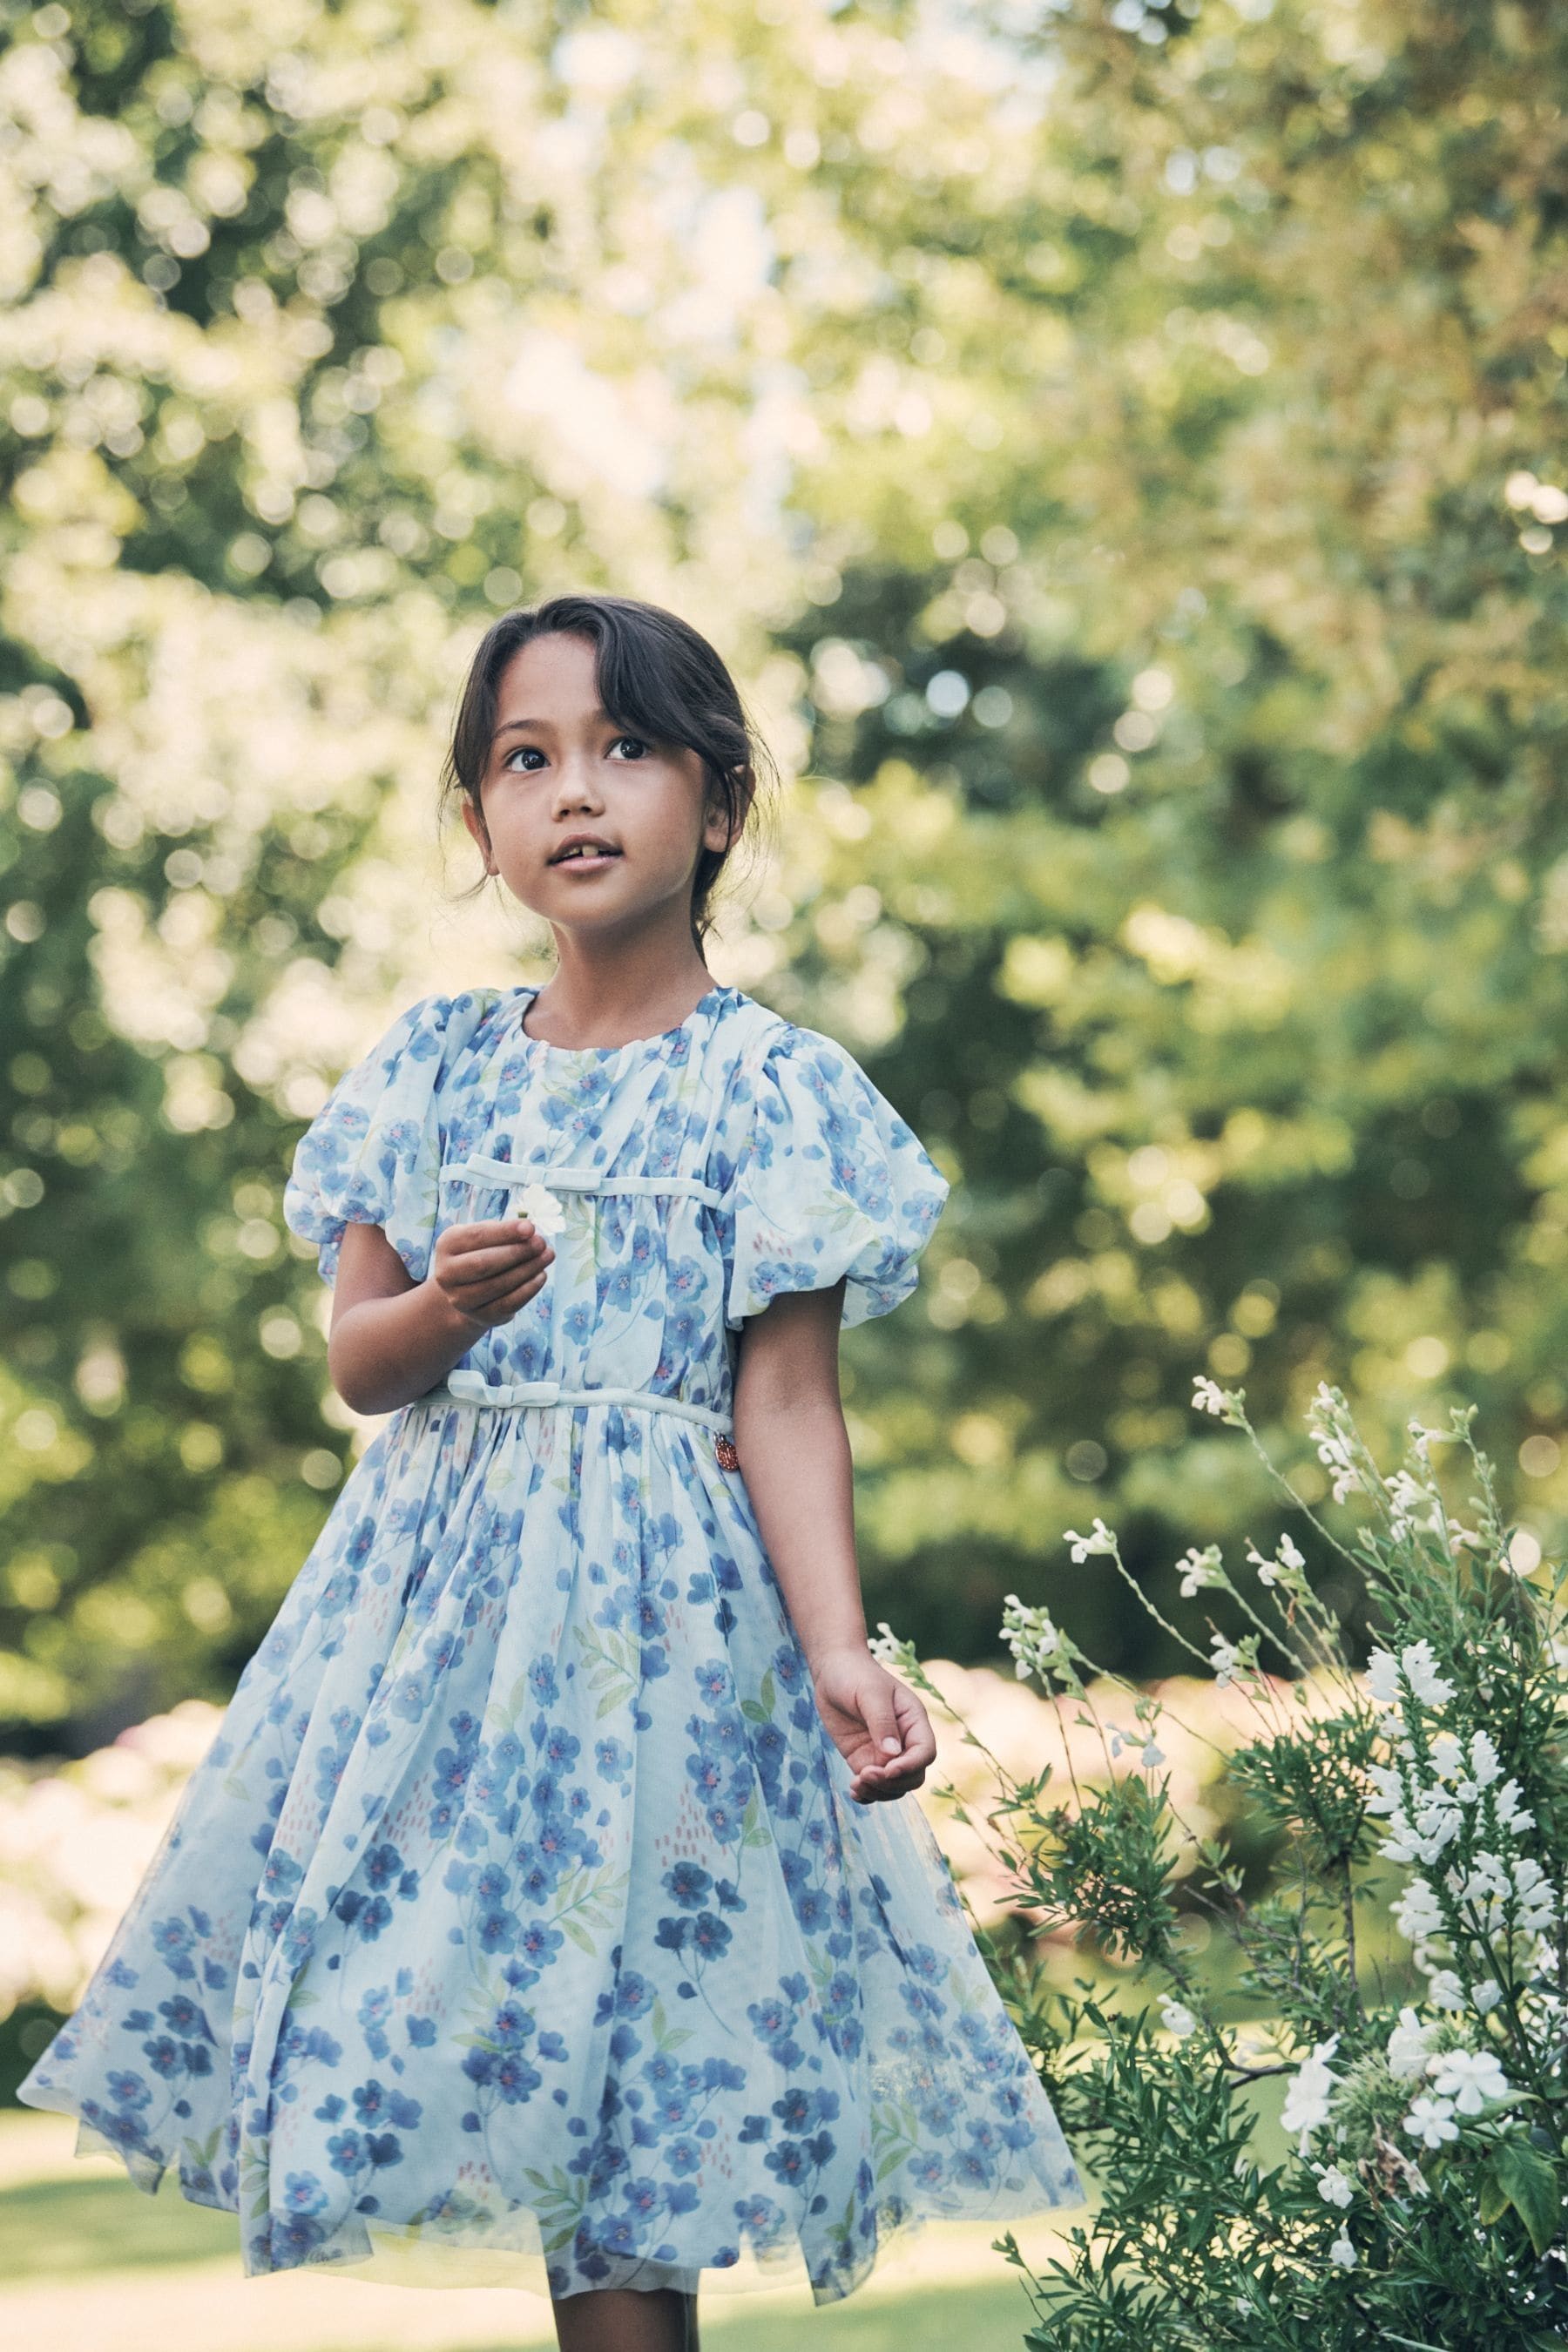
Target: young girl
{"type": "Point", "coordinates": [541, 1910]}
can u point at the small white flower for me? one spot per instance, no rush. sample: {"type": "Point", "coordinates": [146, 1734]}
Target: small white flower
{"type": "Point", "coordinates": [1207, 1397]}
{"type": "Point", "coordinates": [1267, 1569]}
{"type": "Point", "coordinates": [1290, 1555]}
{"type": "Point", "coordinates": [1447, 1754]}
{"type": "Point", "coordinates": [1203, 1567]}
{"type": "Point", "coordinates": [1487, 1997]}
{"type": "Point", "coordinates": [1418, 1913]}
{"type": "Point", "coordinates": [1306, 2108]}
{"type": "Point", "coordinates": [1177, 2018]}
{"type": "Point", "coordinates": [1382, 1678]}
{"type": "Point", "coordinates": [1100, 1540]}
{"type": "Point", "coordinates": [885, 1647]}
{"type": "Point", "coordinates": [539, 1202]}
{"type": "Point", "coordinates": [1341, 2251]}
{"type": "Point", "coordinates": [1334, 1447]}
{"type": "Point", "coordinates": [1333, 2188]}
{"type": "Point", "coordinates": [1407, 2047]}
{"type": "Point", "coordinates": [1116, 1742]}
{"type": "Point", "coordinates": [1431, 2121]}
{"type": "Point", "coordinates": [1154, 1754]}
{"type": "Point", "coordinates": [1510, 1812]}
{"type": "Point", "coordinates": [1224, 1661]}
{"type": "Point", "coordinates": [1537, 1903]}
{"type": "Point", "coordinates": [1436, 1826]}
{"type": "Point", "coordinates": [1445, 1989]}
{"type": "Point", "coordinates": [1467, 2077]}
{"type": "Point", "coordinates": [1413, 1505]}
{"type": "Point", "coordinates": [1421, 1672]}
{"type": "Point", "coordinates": [1035, 1642]}
{"type": "Point", "coordinates": [1486, 1765]}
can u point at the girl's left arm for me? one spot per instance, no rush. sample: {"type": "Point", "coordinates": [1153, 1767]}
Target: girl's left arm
{"type": "Point", "coordinates": [795, 1461]}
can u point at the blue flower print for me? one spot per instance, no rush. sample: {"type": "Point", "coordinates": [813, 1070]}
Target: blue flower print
{"type": "Point", "coordinates": [520, 1902]}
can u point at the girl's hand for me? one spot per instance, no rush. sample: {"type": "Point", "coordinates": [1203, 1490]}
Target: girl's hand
{"type": "Point", "coordinates": [486, 1271]}
{"type": "Point", "coordinates": [878, 1726]}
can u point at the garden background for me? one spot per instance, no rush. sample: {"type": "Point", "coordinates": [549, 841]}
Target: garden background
{"type": "Point", "coordinates": [1119, 450]}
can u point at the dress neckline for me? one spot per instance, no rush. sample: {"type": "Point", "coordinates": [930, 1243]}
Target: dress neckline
{"type": "Point", "coordinates": [529, 991]}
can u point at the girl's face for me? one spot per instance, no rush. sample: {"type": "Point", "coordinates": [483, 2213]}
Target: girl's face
{"type": "Point", "coordinates": [559, 767]}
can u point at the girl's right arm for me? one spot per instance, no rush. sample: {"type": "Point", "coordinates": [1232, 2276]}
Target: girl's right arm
{"type": "Point", "coordinates": [394, 1339]}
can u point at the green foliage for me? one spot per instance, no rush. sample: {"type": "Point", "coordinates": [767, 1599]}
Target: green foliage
{"type": "Point", "coordinates": [1120, 452]}
{"type": "Point", "coordinates": [1410, 2189]}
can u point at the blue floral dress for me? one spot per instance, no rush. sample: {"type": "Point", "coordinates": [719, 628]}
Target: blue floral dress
{"type": "Point", "coordinates": [519, 1925]}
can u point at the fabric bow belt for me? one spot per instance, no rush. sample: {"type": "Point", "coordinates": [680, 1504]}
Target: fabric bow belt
{"type": "Point", "coordinates": [472, 1388]}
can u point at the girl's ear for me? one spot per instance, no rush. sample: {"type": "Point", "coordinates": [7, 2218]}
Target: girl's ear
{"type": "Point", "coordinates": [477, 827]}
{"type": "Point", "coordinates": [718, 816]}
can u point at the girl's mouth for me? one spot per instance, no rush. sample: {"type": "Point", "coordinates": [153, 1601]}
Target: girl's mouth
{"type": "Point", "coordinates": [587, 859]}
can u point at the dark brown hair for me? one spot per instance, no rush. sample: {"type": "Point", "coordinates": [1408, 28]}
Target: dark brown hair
{"type": "Point", "coordinates": [656, 677]}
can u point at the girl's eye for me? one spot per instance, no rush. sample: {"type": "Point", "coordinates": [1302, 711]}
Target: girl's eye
{"type": "Point", "coordinates": [639, 749]}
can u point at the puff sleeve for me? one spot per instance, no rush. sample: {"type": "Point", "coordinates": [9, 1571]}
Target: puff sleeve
{"type": "Point", "coordinates": [830, 1180]}
{"type": "Point", "coordinates": [371, 1155]}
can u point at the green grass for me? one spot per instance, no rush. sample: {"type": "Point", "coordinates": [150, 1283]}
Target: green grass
{"type": "Point", "coordinates": [989, 2318]}
{"type": "Point", "coordinates": [931, 2319]}
{"type": "Point", "coordinates": [75, 2230]}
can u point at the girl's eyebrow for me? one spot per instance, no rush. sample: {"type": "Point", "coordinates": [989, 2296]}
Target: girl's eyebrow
{"type": "Point", "coordinates": [541, 726]}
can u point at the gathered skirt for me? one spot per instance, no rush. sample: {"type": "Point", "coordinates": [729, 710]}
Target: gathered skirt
{"type": "Point", "coordinates": [518, 1924]}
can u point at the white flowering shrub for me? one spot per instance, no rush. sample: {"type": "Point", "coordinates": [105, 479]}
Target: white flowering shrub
{"type": "Point", "coordinates": [1395, 1964]}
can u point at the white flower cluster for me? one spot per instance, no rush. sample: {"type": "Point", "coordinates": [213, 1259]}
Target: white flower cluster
{"type": "Point", "coordinates": [1463, 2082]}
{"type": "Point", "coordinates": [1414, 1667]}
{"type": "Point", "coordinates": [1454, 1817]}
{"type": "Point", "coordinates": [1229, 1659]}
{"type": "Point", "coordinates": [1201, 1570]}
{"type": "Point", "coordinates": [1223, 1403]}
{"type": "Point", "coordinates": [1284, 1569]}
{"type": "Point", "coordinates": [1413, 1507]}
{"type": "Point", "coordinates": [1102, 1540]}
{"type": "Point", "coordinates": [1333, 1436]}
{"type": "Point", "coordinates": [1036, 1641]}
{"type": "Point", "coordinates": [1457, 1820]}
{"type": "Point", "coordinates": [1467, 1801]}
{"type": "Point", "coordinates": [896, 1655]}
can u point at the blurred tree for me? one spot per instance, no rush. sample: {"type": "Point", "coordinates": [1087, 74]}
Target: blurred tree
{"type": "Point", "coordinates": [1207, 791]}
{"type": "Point", "coordinates": [1120, 445]}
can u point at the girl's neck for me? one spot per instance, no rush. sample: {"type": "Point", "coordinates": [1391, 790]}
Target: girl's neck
{"type": "Point", "coordinates": [580, 1008]}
